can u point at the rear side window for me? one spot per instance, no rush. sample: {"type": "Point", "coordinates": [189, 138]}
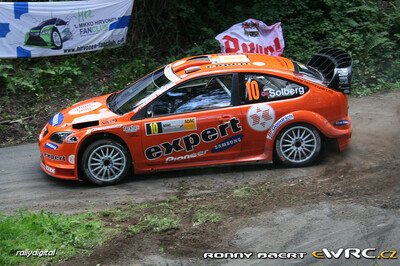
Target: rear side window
{"type": "Point", "coordinates": [257, 88]}
{"type": "Point", "coordinates": [200, 94]}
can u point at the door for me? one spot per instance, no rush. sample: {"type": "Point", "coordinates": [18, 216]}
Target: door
{"type": "Point", "coordinates": [193, 122]}
{"type": "Point", "coordinates": [265, 99]}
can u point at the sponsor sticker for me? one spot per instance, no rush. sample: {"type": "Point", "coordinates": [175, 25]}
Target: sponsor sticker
{"type": "Point", "coordinates": [85, 108]}
{"type": "Point", "coordinates": [171, 126]}
{"type": "Point", "coordinates": [185, 157]}
{"type": "Point", "coordinates": [56, 120]}
{"type": "Point", "coordinates": [283, 92]}
{"type": "Point", "coordinates": [72, 139]}
{"type": "Point", "coordinates": [189, 142]}
{"type": "Point", "coordinates": [228, 143]}
{"type": "Point", "coordinates": [89, 131]}
{"type": "Point", "coordinates": [131, 129]}
{"type": "Point", "coordinates": [48, 168]}
{"type": "Point", "coordinates": [260, 117]}
{"type": "Point", "coordinates": [71, 159]}
{"type": "Point", "coordinates": [51, 146]}
{"type": "Point", "coordinates": [54, 157]}
{"type": "Point", "coordinates": [278, 123]}
{"type": "Point", "coordinates": [220, 59]}
{"type": "Point", "coordinates": [342, 123]}
{"type": "Point", "coordinates": [109, 122]}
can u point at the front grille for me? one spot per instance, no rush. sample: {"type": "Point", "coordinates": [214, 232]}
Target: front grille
{"type": "Point", "coordinates": [34, 40]}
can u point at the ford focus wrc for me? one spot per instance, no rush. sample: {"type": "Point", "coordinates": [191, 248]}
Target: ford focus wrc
{"type": "Point", "coordinates": [205, 110]}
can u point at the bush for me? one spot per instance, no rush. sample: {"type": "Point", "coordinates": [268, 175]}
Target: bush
{"type": "Point", "coordinates": [162, 31]}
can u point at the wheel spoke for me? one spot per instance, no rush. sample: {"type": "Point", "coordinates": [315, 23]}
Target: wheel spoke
{"type": "Point", "coordinates": [293, 150]}
{"type": "Point", "coordinates": [287, 150]}
{"type": "Point", "coordinates": [112, 171]}
{"type": "Point", "coordinates": [302, 135]}
{"type": "Point", "coordinates": [97, 168]}
{"type": "Point", "coordinates": [306, 137]}
{"type": "Point", "coordinates": [116, 168]}
{"type": "Point", "coordinates": [310, 140]}
{"type": "Point", "coordinates": [303, 152]}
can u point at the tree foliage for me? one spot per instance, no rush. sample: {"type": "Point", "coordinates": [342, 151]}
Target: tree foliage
{"type": "Point", "coordinates": [162, 31]}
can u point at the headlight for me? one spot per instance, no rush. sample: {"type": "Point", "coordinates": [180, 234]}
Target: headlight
{"type": "Point", "coordinates": [44, 32]}
{"type": "Point", "coordinates": [59, 137]}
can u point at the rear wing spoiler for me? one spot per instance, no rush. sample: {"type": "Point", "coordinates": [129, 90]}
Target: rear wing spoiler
{"type": "Point", "coordinates": [336, 67]}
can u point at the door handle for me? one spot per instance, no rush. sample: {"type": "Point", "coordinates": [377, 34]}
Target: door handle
{"type": "Point", "coordinates": [224, 119]}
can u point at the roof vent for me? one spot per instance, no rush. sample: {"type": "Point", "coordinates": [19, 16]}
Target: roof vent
{"type": "Point", "coordinates": [192, 69]}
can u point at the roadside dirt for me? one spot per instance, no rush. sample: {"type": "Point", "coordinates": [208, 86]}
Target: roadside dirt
{"type": "Point", "coordinates": [350, 199]}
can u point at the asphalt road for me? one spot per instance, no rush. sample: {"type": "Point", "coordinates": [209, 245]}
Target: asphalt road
{"type": "Point", "coordinates": [23, 185]}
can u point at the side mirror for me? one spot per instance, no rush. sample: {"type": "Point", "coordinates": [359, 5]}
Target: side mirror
{"type": "Point", "coordinates": [159, 109]}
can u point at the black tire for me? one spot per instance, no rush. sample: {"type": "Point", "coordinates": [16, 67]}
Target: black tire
{"type": "Point", "coordinates": [295, 149]}
{"type": "Point", "coordinates": [56, 46]}
{"type": "Point", "coordinates": [92, 159]}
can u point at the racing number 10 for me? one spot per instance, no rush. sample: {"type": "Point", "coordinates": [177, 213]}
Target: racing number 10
{"type": "Point", "coordinates": [153, 128]}
{"type": "Point", "coordinates": [253, 90]}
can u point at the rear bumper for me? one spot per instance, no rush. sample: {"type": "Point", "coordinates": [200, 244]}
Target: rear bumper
{"type": "Point", "coordinates": [342, 134]}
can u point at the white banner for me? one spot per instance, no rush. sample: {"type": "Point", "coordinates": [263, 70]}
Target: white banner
{"type": "Point", "coordinates": [252, 36]}
{"type": "Point", "coordinates": [57, 28]}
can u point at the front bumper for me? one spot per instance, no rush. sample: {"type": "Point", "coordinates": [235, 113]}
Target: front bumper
{"type": "Point", "coordinates": [59, 162]}
{"type": "Point", "coordinates": [35, 41]}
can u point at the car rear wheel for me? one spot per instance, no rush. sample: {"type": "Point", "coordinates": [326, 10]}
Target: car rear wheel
{"type": "Point", "coordinates": [298, 145]}
{"type": "Point", "coordinates": [106, 162]}
{"type": "Point", "coordinates": [56, 39]}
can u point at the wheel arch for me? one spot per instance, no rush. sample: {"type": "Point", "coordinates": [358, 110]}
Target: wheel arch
{"type": "Point", "coordinates": [92, 138]}
{"type": "Point", "coordinates": [300, 117]}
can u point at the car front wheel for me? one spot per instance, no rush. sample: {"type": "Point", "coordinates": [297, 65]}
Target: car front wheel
{"type": "Point", "coordinates": [106, 162]}
{"type": "Point", "coordinates": [56, 39]}
{"type": "Point", "coordinates": [298, 145]}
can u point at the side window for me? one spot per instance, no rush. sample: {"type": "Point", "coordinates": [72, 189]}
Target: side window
{"type": "Point", "coordinates": [200, 94]}
{"type": "Point", "coordinates": [262, 88]}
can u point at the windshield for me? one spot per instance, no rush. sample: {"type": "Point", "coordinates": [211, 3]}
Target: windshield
{"type": "Point", "coordinates": [137, 93]}
{"type": "Point", "coordinates": [48, 22]}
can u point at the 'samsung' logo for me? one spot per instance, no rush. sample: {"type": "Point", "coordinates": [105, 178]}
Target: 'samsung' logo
{"type": "Point", "coordinates": [226, 144]}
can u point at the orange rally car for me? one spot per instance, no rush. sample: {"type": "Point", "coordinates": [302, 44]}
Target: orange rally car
{"type": "Point", "coordinates": [205, 110]}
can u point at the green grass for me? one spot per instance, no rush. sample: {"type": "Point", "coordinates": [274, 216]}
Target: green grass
{"type": "Point", "coordinates": [245, 192]}
{"type": "Point", "coordinates": [68, 234]}
{"type": "Point", "coordinates": [154, 223]}
{"type": "Point", "coordinates": [204, 216]}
